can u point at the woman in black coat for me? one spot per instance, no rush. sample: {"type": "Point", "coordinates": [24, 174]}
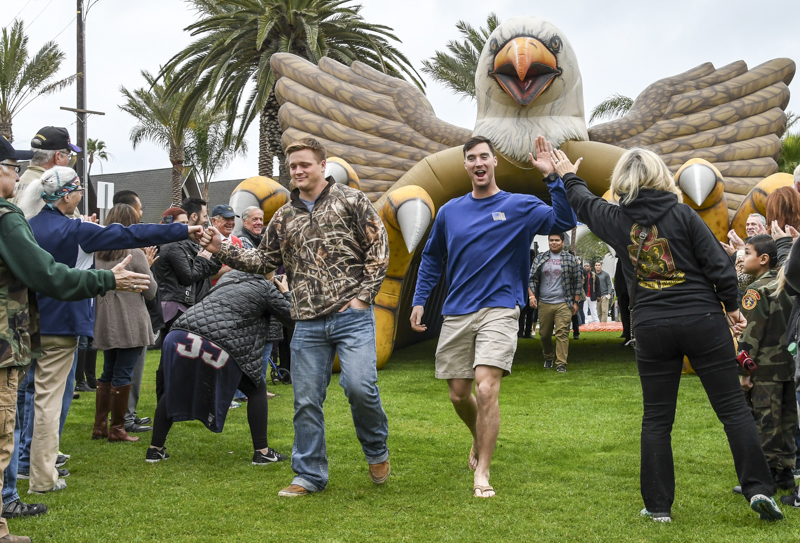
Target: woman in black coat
{"type": "Point", "coordinates": [683, 281]}
{"type": "Point", "coordinates": [215, 348]}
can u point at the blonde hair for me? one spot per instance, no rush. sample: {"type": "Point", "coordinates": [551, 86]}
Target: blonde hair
{"type": "Point", "coordinates": [641, 169]}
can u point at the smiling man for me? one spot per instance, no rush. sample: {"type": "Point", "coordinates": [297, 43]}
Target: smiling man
{"type": "Point", "coordinates": [336, 252]}
{"type": "Point", "coordinates": [486, 236]}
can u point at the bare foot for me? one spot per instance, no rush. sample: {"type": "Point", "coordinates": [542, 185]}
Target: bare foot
{"type": "Point", "coordinates": [483, 491]}
{"type": "Point", "coordinates": [473, 458]}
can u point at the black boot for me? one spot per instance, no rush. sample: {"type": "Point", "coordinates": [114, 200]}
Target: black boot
{"type": "Point", "coordinates": [91, 367]}
{"type": "Point", "coordinates": [80, 380]}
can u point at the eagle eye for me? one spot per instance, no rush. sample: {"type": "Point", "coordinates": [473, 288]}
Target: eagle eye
{"type": "Point", "coordinates": [493, 46]}
{"type": "Point", "coordinates": [555, 44]}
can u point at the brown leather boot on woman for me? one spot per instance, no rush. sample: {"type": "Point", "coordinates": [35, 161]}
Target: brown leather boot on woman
{"type": "Point", "coordinates": [119, 406]}
{"type": "Point", "coordinates": [102, 406]}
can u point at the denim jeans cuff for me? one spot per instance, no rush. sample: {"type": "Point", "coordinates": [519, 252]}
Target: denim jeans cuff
{"type": "Point", "coordinates": [378, 459]}
{"type": "Point", "coordinates": [13, 498]}
{"type": "Point", "coordinates": [305, 483]}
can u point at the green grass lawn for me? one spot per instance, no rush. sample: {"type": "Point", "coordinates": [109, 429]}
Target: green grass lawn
{"type": "Point", "coordinates": [566, 468]}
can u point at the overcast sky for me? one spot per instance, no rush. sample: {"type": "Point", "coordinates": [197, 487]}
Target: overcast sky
{"type": "Point", "coordinates": [622, 46]}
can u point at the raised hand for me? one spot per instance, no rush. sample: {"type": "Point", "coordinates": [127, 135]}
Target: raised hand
{"type": "Point", "coordinates": [129, 281]}
{"type": "Point", "coordinates": [150, 253]}
{"type": "Point", "coordinates": [730, 249]}
{"type": "Point", "coordinates": [562, 164]}
{"type": "Point", "coordinates": [211, 240]}
{"type": "Point", "coordinates": [735, 240]}
{"type": "Point", "coordinates": [196, 232]}
{"type": "Point", "coordinates": [542, 161]}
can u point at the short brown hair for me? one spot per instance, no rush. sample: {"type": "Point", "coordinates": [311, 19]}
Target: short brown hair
{"type": "Point", "coordinates": [126, 216]}
{"type": "Point", "coordinates": [307, 143]}
{"type": "Point", "coordinates": [783, 206]}
{"type": "Point", "coordinates": [477, 140]}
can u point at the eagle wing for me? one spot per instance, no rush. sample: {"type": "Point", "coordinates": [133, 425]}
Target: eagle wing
{"type": "Point", "coordinates": [731, 116]}
{"type": "Point", "coordinates": [382, 126]}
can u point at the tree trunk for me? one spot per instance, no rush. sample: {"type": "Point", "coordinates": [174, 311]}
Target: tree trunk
{"type": "Point", "coordinates": [205, 190]}
{"type": "Point", "coordinates": [269, 144]}
{"type": "Point", "coordinates": [176, 156]}
{"type": "Point", "coordinates": [574, 241]}
{"type": "Point", "coordinates": [5, 127]}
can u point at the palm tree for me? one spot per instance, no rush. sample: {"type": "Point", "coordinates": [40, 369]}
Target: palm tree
{"type": "Point", "coordinates": [23, 79]}
{"type": "Point", "coordinates": [208, 151]}
{"type": "Point", "coordinates": [457, 69]}
{"type": "Point", "coordinates": [237, 39]}
{"type": "Point", "coordinates": [790, 153]}
{"type": "Point", "coordinates": [96, 148]}
{"type": "Point", "coordinates": [613, 107]}
{"type": "Point", "coordinates": [159, 116]}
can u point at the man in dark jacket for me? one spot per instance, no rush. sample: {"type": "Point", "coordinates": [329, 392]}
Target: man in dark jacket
{"type": "Point", "coordinates": [604, 288]}
{"type": "Point", "coordinates": [183, 272]}
{"type": "Point", "coordinates": [252, 227]}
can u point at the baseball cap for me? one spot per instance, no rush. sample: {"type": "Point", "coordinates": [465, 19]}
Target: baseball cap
{"type": "Point", "coordinates": [53, 138]}
{"type": "Point", "coordinates": [7, 151]}
{"type": "Point", "coordinates": [223, 211]}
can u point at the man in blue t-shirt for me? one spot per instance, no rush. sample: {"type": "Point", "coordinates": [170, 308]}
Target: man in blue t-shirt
{"type": "Point", "coordinates": [486, 236]}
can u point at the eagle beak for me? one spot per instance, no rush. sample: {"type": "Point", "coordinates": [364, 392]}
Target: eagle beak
{"type": "Point", "coordinates": [525, 68]}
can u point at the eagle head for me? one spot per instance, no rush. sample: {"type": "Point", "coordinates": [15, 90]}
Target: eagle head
{"type": "Point", "coordinates": [528, 84]}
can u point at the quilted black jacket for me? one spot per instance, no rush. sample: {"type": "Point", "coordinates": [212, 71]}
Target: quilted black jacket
{"type": "Point", "coordinates": [235, 316]}
{"type": "Point", "coordinates": [181, 274]}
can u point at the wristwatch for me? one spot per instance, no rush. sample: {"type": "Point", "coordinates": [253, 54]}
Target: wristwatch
{"type": "Point", "coordinates": [552, 178]}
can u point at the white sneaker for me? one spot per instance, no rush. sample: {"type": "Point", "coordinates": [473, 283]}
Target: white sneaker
{"type": "Point", "coordinates": [61, 484]}
{"type": "Point", "coordinates": [235, 404]}
{"type": "Point", "coordinates": [655, 517]}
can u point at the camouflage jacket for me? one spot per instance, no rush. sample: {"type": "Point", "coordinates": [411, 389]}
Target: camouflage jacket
{"type": "Point", "coordinates": [19, 339]}
{"type": "Point", "coordinates": [338, 252]}
{"type": "Point", "coordinates": [767, 313]}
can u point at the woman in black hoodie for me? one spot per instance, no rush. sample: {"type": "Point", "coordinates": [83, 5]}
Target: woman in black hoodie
{"type": "Point", "coordinates": [684, 278]}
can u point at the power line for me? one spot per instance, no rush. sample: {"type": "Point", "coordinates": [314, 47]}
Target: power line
{"type": "Point", "coordinates": [20, 11]}
{"type": "Point", "coordinates": [63, 29]}
{"type": "Point", "coordinates": [40, 14]}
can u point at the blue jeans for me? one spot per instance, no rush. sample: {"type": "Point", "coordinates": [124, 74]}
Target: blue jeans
{"type": "Point", "coordinates": [118, 365]}
{"type": "Point", "coordinates": [25, 398]}
{"type": "Point", "coordinates": [10, 473]}
{"type": "Point", "coordinates": [351, 335]}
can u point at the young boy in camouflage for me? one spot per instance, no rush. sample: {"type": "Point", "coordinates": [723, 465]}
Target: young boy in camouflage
{"type": "Point", "coordinates": [770, 388]}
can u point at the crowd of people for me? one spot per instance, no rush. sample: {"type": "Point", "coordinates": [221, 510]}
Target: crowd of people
{"type": "Point", "coordinates": [223, 302]}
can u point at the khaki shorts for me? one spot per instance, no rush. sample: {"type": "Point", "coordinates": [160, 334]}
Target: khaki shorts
{"type": "Point", "coordinates": [487, 337]}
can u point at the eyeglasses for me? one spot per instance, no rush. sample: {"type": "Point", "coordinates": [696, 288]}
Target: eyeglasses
{"type": "Point", "coordinates": [66, 152]}
{"type": "Point", "coordinates": [16, 167]}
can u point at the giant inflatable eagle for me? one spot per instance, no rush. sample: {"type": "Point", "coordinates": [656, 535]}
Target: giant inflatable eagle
{"type": "Point", "coordinates": [390, 144]}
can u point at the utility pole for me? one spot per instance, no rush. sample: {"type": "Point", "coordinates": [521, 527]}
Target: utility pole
{"type": "Point", "coordinates": [80, 163]}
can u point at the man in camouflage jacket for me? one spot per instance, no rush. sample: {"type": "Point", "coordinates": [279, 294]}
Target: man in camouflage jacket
{"type": "Point", "coordinates": [772, 395]}
{"type": "Point", "coordinates": [336, 252]}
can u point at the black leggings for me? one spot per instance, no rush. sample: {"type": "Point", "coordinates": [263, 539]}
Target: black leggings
{"type": "Point", "coordinates": [256, 415]}
{"type": "Point", "coordinates": [660, 348]}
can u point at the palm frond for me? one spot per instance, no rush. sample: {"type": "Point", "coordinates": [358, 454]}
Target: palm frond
{"type": "Point", "coordinates": [613, 107]}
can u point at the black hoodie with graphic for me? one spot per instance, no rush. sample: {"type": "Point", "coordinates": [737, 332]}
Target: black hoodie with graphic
{"type": "Point", "coordinates": [683, 269]}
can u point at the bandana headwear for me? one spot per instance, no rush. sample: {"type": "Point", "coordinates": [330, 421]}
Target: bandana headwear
{"type": "Point", "coordinates": [65, 186]}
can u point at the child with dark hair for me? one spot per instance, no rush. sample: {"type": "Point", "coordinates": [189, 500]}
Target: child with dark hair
{"type": "Point", "coordinates": [769, 389]}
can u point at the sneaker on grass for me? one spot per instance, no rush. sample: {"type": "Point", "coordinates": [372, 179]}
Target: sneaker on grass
{"type": "Point", "coordinates": [657, 517]}
{"type": "Point", "coordinates": [766, 507]}
{"type": "Point", "coordinates": [548, 364]}
{"type": "Point", "coordinates": [61, 484]}
{"type": "Point", "coordinates": [61, 460]}
{"type": "Point", "coordinates": [154, 455]}
{"type": "Point", "coordinates": [792, 499]}
{"type": "Point", "coordinates": [272, 456]}
{"type": "Point", "coordinates": [561, 369]}
{"type": "Point", "coordinates": [18, 508]}
{"type": "Point", "coordinates": [63, 472]}
{"type": "Point", "coordinates": [235, 404]}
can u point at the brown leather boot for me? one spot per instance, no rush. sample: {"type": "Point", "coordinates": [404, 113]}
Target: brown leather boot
{"type": "Point", "coordinates": [102, 405]}
{"type": "Point", "coordinates": [119, 406]}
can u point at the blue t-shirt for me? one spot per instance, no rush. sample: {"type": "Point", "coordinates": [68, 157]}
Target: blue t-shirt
{"type": "Point", "coordinates": [487, 244]}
